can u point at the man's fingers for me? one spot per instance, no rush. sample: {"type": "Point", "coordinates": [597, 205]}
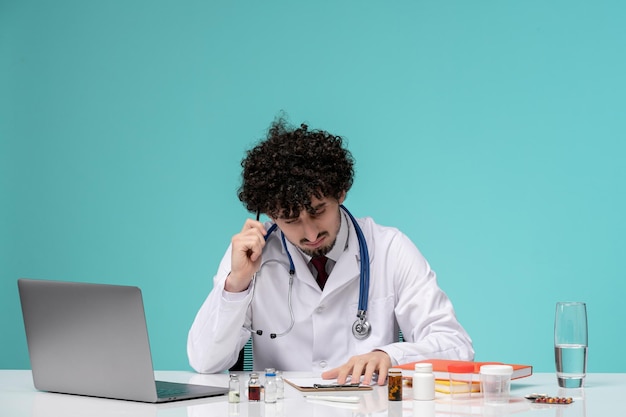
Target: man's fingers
{"type": "Point", "coordinates": [366, 365]}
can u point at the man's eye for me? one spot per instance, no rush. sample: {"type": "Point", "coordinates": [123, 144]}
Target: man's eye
{"type": "Point", "coordinates": [318, 213]}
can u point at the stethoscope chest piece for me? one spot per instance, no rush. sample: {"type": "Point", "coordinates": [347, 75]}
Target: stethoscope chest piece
{"type": "Point", "coordinates": [361, 328]}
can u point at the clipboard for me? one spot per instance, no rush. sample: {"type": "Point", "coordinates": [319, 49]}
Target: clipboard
{"type": "Point", "coordinates": [315, 385]}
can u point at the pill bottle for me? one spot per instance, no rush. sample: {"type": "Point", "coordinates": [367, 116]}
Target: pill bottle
{"type": "Point", "coordinates": [495, 383]}
{"type": "Point", "coordinates": [423, 382]}
{"type": "Point", "coordinates": [394, 384]}
{"type": "Point", "coordinates": [461, 380]}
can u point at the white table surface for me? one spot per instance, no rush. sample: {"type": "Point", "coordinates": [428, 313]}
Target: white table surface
{"type": "Point", "coordinates": [603, 395]}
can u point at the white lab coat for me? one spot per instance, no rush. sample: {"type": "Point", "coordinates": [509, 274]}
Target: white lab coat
{"type": "Point", "coordinates": [403, 294]}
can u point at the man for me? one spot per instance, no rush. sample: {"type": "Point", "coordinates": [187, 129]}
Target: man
{"type": "Point", "coordinates": [299, 178]}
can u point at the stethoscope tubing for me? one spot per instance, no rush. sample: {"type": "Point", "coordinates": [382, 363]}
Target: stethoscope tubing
{"type": "Point", "coordinates": [361, 328]}
{"type": "Point", "coordinates": [364, 284]}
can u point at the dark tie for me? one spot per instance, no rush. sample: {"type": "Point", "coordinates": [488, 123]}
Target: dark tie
{"type": "Point", "coordinates": [319, 262]}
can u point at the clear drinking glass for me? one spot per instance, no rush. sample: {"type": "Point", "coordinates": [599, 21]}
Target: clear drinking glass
{"type": "Point", "coordinates": [570, 343]}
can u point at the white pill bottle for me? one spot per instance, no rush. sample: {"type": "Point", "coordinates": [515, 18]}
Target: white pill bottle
{"type": "Point", "coordinates": [423, 382]}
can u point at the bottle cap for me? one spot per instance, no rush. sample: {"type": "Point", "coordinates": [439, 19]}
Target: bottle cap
{"type": "Point", "coordinates": [425, 367]}
{"type": "Point", "coordinates": [496, 370]}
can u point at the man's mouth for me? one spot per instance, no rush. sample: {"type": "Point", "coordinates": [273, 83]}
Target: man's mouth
{"type": "Point", "coordinates": [315, 244]}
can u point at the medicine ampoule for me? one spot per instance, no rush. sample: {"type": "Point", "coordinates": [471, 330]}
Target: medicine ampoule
{"type": "Point", "coordinates": [234, 394]}
{"type": "Point", "coordinates": [280, 385]}
{"type": "Point", "coordinates": [254, 387]}
{"type": "Point", "coordinates": [270, 385]}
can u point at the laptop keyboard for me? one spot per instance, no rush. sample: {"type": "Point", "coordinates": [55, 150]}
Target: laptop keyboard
{"type": "Point", "coordinates": [170, 389]}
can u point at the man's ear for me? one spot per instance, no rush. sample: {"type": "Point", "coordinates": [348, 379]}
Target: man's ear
{"type": "Point", "coordinates": [342, 197]}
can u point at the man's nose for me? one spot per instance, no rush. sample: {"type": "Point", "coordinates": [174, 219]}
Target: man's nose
{"type": "Point", "coordinates": [311, 231]}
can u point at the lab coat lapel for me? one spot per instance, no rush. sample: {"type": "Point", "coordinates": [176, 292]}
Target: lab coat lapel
{"type": "Point", "coordinates": [348, 266]}
{"type": "Point", "coordinates": [303, 273]}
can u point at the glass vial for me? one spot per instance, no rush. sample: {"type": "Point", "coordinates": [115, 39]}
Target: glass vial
{"type": "Point", "coordinates": [394, 384]}
{"type": "Point", "coordinates": [280, 385]}
{"type": "Point", "coordinates": [234, 393]}
{"type": "Point", "coordinates": [254, 387]}
{"type": "Point", "coordinates": [423, 382]}
{"type": "Point", "coordinates": [270, 385]}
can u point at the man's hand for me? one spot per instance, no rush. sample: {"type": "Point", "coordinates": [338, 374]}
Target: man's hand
{"type": "Point", "coordinates": [247, 248]}
{"type": "Point", "coordinates": [366, 365]}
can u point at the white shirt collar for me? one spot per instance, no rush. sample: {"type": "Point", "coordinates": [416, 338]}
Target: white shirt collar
{"type": "Point", "coordinates": [342, 239]}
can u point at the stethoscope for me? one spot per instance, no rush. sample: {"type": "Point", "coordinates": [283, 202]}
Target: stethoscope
{"type": "Point", "coordinates": [361, 328]}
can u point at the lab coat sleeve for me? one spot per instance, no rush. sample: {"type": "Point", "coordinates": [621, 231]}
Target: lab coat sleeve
{"type": "Point", "coordinates": [218, 331]}
{"type": "Point", "coordinates": [423, 311]}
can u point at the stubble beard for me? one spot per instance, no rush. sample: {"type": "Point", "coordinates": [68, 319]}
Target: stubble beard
{"type": "Point", "coordinates": [319, 251]}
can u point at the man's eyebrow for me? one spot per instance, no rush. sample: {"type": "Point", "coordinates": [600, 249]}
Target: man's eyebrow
{"type": "Point", "coordinates": [288, 217]}
{"type": "Point", "coordinates": [312, 210]}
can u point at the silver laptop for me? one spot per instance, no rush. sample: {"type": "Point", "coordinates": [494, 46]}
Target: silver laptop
{"type": "Point", "coordinates": [91, 339]}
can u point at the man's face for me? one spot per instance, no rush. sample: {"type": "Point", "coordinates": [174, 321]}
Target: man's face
{"type": "Point", "coordinates": [314, 233]}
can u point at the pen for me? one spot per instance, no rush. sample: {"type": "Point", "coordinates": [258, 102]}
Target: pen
{"type": "Point", "coordinates": [337, 386]}
{"type": "Point", "coordinates": [335, 398]}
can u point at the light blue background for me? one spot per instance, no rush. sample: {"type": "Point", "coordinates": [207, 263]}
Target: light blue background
{"type": "Point", "coordinates": [491, 132]}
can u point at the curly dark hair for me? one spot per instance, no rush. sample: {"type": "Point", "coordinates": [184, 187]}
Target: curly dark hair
{"type": "Point", "coordinates": [283, 171]}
